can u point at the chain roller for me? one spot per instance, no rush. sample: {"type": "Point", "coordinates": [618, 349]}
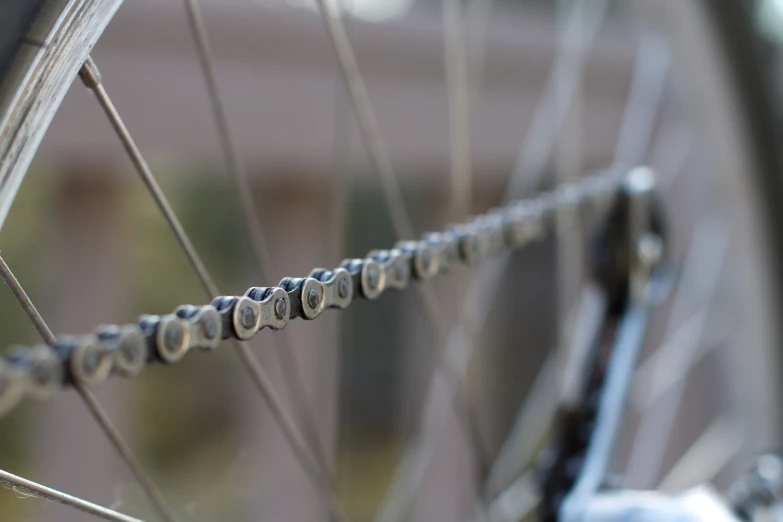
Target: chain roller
{"type": "Point", "coordinates": [274, 306]}
{"type": "Point", "coordinates": [128, 347]}
{"type": "Point", "coordinates": [338, 286]}
{"type": "Point", "coordinates": [168, 337]}
{"type": "Point", "coordinates": [307, 296]}
{"type": "Point", "coordinates": [422, 257]}
{"type": "Point", "coordinates": [204, 324]}
{"type": "Point", "coordinates": [367, 275]}
{"type": "Point", "coordinates": [395, 266]}
{"type": "Point", "coordinates": [86, 358]}
{"type": "Point", "coordinates": [39, 372]}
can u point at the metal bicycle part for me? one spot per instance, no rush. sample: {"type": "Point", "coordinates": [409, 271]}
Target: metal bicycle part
{"type": "Point", "coordinates": [33, 89]}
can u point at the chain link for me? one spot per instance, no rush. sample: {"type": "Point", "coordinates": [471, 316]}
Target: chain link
{"type": "Point", "coordinates": [39, 372]}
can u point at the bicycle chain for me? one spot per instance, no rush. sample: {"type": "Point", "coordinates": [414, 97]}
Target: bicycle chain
{"type": "Point", "coordinates": [40, 371]}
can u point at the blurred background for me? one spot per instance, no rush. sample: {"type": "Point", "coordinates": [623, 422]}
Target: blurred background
{"type": "Point", "coordinates": [90, 246]}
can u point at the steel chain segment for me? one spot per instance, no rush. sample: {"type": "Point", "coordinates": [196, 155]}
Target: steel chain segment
{"type": "Point", "coordinates": [395, 266]}
{"type": "Point", "coordinates": [367, 275]}
{"type": "Point", "coordinates": [39, 372]}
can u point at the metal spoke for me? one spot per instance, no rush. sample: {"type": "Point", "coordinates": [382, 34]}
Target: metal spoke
{"type": "Point", "coordinates": [381, 162]}
{"type": "Point", "coordinates": [485, 285]}
{"type": "Point", "coordinates": [27, 305]}
{"type": "Point", "coordinates": [92, 79]}
{"type": "Point", "coordinates": [672, 153]}
{"type": "Point", "coordinates": [703, 265]}
{"type": "Point", "coordinates": [639, 115]}
{"type": "Point", "coordinates": [564, 80]}
{"type": "Point", "coordinates": [122, 447]}
{"type": "Point", "coordinates": [717, 445]}
{"type": "Point", "coordinates": [678, 354]}
{"type": "Point", "coordinates": [231, 157]}
{"type": "Point", "coordinates": [415, 460]}
{"type": "Point", "coordinates": [517, 501]}
{"type": "Point", "coordinates": [455, 60]}
{"type": "Point", "coordinates": [342, 173]}
{"type": "Point", "coordinates": [366, 119]}
{"type": "Point", "coordinates": [529, 428]}
{"type": "Point", "coordinates": [341, 154]}
{"type": "Point", "coordinates": [92, 404]}
{"type": "Point", "coordinates": [461, 101]}
{"type": "Point", "coordinates": [293, 382]}
{"type": "Point", "coordinates": [460, 160]}
{"type": "Point", "coordinates": [38, 490]}
{"type": "Point", "coordinates": [541, 402]}
{"type": "Point", "coordinates": [318, 476]}
{"type": "Point", "coordinates": [418, 455]}
{"type": "Point", "coordinates": [477, 23]}
{"type": "Point", "coordinates": [644, 100]}
{"type": "Point", "coordinates": [568, 159]}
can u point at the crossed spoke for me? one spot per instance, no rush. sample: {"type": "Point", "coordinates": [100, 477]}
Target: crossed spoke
{"type": "Point", "coordinates": [98, 413]}
{"type": "Point", "coordinates": [293, 382]}
{"type": "Point", "coordinates": [487, 282]}
{"type": "Point", "coordinates": [639, 118]}
{"type": "Point", "coordinates": [703, 266]}
{"type": "Point", "coordinates": [318, 476]}
{"type": "Point", "coordinates": [711, 452]}
{"type": "Point", "coordinates": [516, 496]}
{"type": "Point", "coordinates": [381, 162]}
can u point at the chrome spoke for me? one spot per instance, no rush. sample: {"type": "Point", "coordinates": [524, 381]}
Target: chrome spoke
{"type": "Point", "coordinates": [567, 163]}
{"type": "Point", "coordinates": [366, 119]}
{"type": "Point", "coordinates": [645, 94]}
{"type": "Point", "coordinates": [515, 487]}
{"type": "Point", "coordinates": [454, 31]}
{"type": "Point", "coordinates": [293, 382]}
{"type": "Point", "coordinates": [26, 303]}
{"type": "Point", "coordinates": [461, 178]}
{"type": "Point", "coordinates": [527, 432]}
{"type": "Point", "coordinates": [29, 487]}
{"type": "Point", "coordinates": [381, 162]}
{"type": "Point", "coordinates": [711, 452]}
{"type": "Point", "coordinates": [678, 354]}
{"type": "Point", "coordinates": [93, 406]}
{"type": "Point", "coordinates": [477, 23]}
{"type": "Point", "coordinates": [546, 393]}
{"type": "Point", "coordinates": [564, 80]}
{"type": "Point", "coordinates": [122, 447]}
{"type": "Point", "coordinates": [92, 79]}
{"type": "Point", "coordinates": [416, 459]}
{"type": "Point", "coordinates": [483, 286]}
{"type": "Point", "coordinates": [703, 266]}
{"type": "Point", "coordinates": [418, 454]}
{"type": "Point", "coordinates": [231, 157]}
{"type": "Point", "coordinates": [639, 115]}
{"type": "Point", "coordinates": [672, 153]}
{"type": "Point", "coordinates": [341, 155]}
{"type": "Point", "coordinates": [318, 476]}
{"type": "Point", "coordinates": [517, 501]}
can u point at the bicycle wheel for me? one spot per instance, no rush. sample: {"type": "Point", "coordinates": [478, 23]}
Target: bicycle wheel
{"type": "Point", "coordinates": [622, 86]}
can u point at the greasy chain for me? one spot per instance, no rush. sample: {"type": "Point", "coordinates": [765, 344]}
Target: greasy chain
{"type": "Point", "coordinates": [40, 371]}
